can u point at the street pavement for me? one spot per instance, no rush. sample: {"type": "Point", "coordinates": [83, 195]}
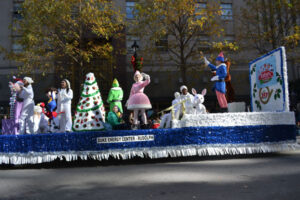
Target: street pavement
{"type": "Point", "coordinates": [259, 177]}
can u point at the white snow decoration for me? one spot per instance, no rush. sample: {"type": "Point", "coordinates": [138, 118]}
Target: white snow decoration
{"type": "Point", "coordinates": [235, 119]}
{"type": "Point", "coordinates": [237, 107]}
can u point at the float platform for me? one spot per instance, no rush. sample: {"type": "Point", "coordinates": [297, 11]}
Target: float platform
{"type": "Point", "coordinates": [194, 135]}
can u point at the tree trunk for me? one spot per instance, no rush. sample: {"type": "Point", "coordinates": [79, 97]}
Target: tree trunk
{"type": "Point", "coordinates": [183, 74]}
{"type": "Point", "coordinates": [182, 61]}
{"type": "Point", "coordinates": [75, 84]}
{"type": "Point", "coordinates": [272, 24]}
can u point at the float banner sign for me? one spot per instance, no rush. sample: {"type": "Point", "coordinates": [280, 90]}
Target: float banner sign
{"type": "Point", "coordinates": [268, 81]}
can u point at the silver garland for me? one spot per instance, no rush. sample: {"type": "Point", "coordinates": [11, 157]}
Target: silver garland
{"type": "Point", "coordinates": [152, 153]}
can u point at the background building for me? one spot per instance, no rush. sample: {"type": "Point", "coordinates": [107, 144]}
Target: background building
{"type": "Point", "coordinates": [8, 13]}
{"type": "Point", "coordinates": [164, 75]}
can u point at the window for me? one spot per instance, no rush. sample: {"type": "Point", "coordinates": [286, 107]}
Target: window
{"type": "Point", "coordinates": [74, 12]}
{"type": "Point", "coordinates": [226, 11]}
{"type": "Point", "coordinates": [203, 43]}
{"type": "Point", "coordinates": [130, 9]}
{"type": "Point", "coordinates": [229, 38]}
{"type": "Point", "coordinates": [162, 44]}
{"type": "Point", "coordinates": [129, 42]}
{"type": "Point", "coordinates": [16, 46]}
{"type": "Point", "coordinates": [199, 9]}
{"type": "Point", "coordinates": [17, 7]}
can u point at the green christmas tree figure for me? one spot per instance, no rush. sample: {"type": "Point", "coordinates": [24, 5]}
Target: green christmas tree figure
{"type": "Point", "coordinates": [115, 96]}
{"type": "Point", "coordinates": [90, 112]}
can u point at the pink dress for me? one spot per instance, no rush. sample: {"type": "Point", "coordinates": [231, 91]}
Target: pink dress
{"type": "Point", "coordinates": [137, 98]}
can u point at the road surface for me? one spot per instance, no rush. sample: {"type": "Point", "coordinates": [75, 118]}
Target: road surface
{"type": "Point", "coordinates": [260, 177]}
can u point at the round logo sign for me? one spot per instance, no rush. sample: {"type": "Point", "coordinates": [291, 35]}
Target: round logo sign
{"type": "Point", "coordinates": [265, 94]}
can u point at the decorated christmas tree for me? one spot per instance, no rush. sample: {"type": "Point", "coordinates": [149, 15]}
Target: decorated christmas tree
{"type": "Point", "coordinates": [90, 112]}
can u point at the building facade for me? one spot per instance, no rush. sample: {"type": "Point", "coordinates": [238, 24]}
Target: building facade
{"type": "Point", "coordinates": [165, 76]}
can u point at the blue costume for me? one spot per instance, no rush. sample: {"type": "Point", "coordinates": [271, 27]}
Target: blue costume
{"type": "Point", "coordinates": [219, 86]}
{"type": "Point", "coordinates": [51, 104]}
{"type": "Point", "coordinates": [221, 72]}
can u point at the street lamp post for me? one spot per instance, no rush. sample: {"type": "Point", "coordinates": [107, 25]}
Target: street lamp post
{"type": "Point", "coordinates": [135, 47]}
{"type": "Point", "coordinates": [134, 61]}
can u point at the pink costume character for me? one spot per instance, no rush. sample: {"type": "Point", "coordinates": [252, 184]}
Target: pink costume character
{"type": "Point", "coordinates": [138, 101]}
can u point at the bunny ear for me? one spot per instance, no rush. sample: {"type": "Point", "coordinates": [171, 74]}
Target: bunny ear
{"type": "Point", "coordinates": [194, 91]}
{"type": "Point", "coordinates": [204, 92]}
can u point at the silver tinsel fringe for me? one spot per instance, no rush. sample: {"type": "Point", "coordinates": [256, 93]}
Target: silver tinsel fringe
{"type": "Point", "coordinates": [152, 153]}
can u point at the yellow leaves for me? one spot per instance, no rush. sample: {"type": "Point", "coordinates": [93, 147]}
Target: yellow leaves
{"type": "Point", "coordinates": [221, 46]}
{"type": "Point", "coordinates": [75, 31]}
{"type": "Point", "coordinates": [293, 39]}
{"type": "Point", "coordinates": [31, 38]}
{"type": "Point", "coordinates": [184, 22]}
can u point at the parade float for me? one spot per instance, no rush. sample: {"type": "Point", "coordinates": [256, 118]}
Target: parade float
{"type": "Point", "coordinates": [269, 127]}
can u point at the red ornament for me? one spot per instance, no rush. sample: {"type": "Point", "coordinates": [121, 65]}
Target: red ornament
{"type": "Point", "coordinates": [78, 121]}
{"type": "Point", "coordinates": [95, 102]}
{"type": "Point", "coordinates": [80, 114]}
{"type": "Point", "coordinates": [98, 125]}
{"type": "Point", "coordinates": [86, 114]}
{"type": "Point", "coordinates": [92, 124]}
{"type": "Point", "coordinates": [85, 120]}
{"type": "Point", "coordinates": [93, 117]}
{"type": "Point", "coordinates": [88, 78]}
{"type": "Point", "coordinates": [77, 126]}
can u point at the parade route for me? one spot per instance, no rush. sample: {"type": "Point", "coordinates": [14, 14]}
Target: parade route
{"type": "Point", "coordinates": [149, 100]}
{"type": "Point", "coordinates": [269, 176]}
